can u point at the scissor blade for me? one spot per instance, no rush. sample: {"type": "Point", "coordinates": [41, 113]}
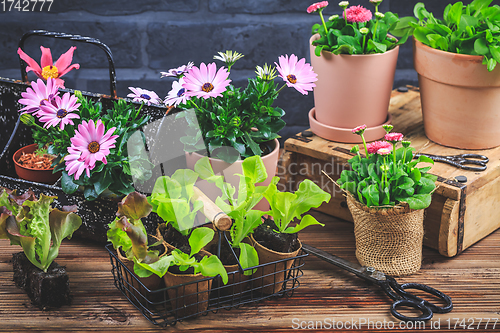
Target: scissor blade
{"type": "Point", "coordinates": [361, 271]}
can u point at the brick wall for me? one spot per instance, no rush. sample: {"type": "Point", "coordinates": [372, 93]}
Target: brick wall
{"type": "Point", "coordinates": [149, 36]}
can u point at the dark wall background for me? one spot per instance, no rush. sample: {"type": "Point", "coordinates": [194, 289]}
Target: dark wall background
{"type": "Point", "coordinates": [150, 36]}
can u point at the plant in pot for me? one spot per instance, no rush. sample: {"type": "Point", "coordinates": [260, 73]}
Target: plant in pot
{"type": "Point", "coordinates": [91, 146]}
{"type": "Point", "coordinates": [350, 53]}
{"type": "Point", "coordinates": [387, 193]}
{"type": "Point", "coordinates": [133, 245]}
{"type": "Point", "coordinates": [275, 240]}
{"type": "Point", "coordinates": [186, 272]}
{"type": "Point", "coordinates": [237, 251]}
{"type": "Point", "coordinates": [34, 164]}
{"type": "Point", "coordinates": [228, 124]}
{"type": "Point", "coordinates": [172, 200]}
{"type": "Point", "coordinates": [39, 229]}
{"type": "Point", "coordinates": [456, 60]}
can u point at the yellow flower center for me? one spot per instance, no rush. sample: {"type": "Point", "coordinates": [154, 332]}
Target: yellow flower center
{"type": "Point", "coordinates": [50, 71]}
{"type": "Point", "coordinates": [207, 87]}
{"type": "Point", "coordinates": [94, 147]}
{"type": "Point", "coordinates": [291, 78]}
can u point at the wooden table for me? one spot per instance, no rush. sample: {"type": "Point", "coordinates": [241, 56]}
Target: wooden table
{"type": "Point", "coordinates": [472, 279]}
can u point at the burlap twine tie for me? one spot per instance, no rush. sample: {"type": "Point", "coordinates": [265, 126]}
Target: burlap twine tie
{"type": "Point", "coordinates": [388, 239]}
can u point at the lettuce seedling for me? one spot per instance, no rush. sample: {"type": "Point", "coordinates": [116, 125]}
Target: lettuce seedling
{"type": "Point", "coordinates": [171, 200]}
{"type": "Point", "coordinates": [245, 219]}
{"type": "Point", "coordinates": [35, 225]}
{"type": "Point", "coordinates": [286, 206]}
{"type": "Point", "coordinates": [208, 266]}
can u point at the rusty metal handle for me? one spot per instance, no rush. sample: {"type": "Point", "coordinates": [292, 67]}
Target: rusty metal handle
{"type": "Point", "coordinates": [77, 38]}
{"type": "Point", "coordinates": [212, 212]}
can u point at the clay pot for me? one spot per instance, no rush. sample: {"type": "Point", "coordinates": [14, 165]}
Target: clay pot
{"type": "Point", "coordinates": [352, 90]}
{"type": "Point", "coordinates": [33, 175]}
{"type": "Point", "coordinates": [460, 98]}
{"type": "Point", "coordinates": [188, 293]}
{"type": "Point", "coordinates": [271, 277]}
{"type": "Point", "coordinates": [230, 171]}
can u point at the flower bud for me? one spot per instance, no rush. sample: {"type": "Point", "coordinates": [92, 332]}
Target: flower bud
{"type": "Point", "coordinates": [379, 15]}
{"type": "Point", "coordinates": [406, 144]}
{"type": "Point", "coordinates": [388, 128]}
{"type": "Point", "coordinates": [355, 149]}
{"type": "Point", "coordinates": [333, 17]}
{"type": "Point", "coordinates": [364, 30]}
{"type": "Point", "coordinates": [343, 4]}
{"type": "Point", "coordinates": [27, 119]}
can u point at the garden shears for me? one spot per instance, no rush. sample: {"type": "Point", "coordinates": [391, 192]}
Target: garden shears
{"type": "Point", "coordinates": [461, 161]}
{"type": "Point", "coordinates": [392, 288]}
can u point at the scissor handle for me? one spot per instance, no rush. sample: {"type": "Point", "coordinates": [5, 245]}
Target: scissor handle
{"type": "Point", "coordinates": [426, 311]}
{"type": "Point", "coordinates": [436, 309]}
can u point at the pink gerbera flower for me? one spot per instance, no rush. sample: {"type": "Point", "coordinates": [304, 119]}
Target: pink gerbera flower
{"type": "Point", "coordinates": [49, 69]}
{"type": "Point", "coordinates": [384, 151]}
{"type": "Point", "coordinates": [144, 96]}
{"type": "Point", "coordinates": [59, 112]}
{"type": "Point", "coordinates": [358, 14]}
{"type": "Point", "coordinates": [177, 95]}
{"type": "Point", "coordinates": [206, 81]}
{"type": "Point", "coordinates": [359, 130]}
{"type": "Point", "coordinates": [317, 5]}
{"type": "Point", "coordinates": [179, 71]}
{"type": "Point", "coordinates": [393, 137]}
{"type": "Point", "coordinates": [37, 95]}
{"type": "Point", "coordinates": [296, 74]}
{"type": "Point", "coordinates": [91, 144]}
{"type": "Point", "coordinates": [373, 147]}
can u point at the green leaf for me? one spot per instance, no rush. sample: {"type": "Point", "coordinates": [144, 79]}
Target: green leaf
{"type": "Point", "coordinates": [426, 186]}
{"type": "Point", "coordinates": [248, 258]}
{"type": "Point", "coordinates": [199, 238]}
{"type": "Point", "coordinates": [159, 267]}
{"type": "Point", "coordinates": [481, 47]}
{"type": "Point", "coordinates": [306, 221]}
{"type": "Point", "coordinates": [419, 201]}
{"type": "Point", "coordinates": [90, 194]}
{"type": "Point", "coordinates": [67, 184]}
{"type": "Point", "coordinates": [254, 168]}
{"type": "Point", "coordinates": [212, 266]}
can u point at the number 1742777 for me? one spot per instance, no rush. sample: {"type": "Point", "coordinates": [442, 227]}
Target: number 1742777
{"type": "Point", "coordinates": [26, 5]}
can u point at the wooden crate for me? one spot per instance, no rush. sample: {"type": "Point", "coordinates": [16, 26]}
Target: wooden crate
{"type": "Point", "coordinates": [460, 214]}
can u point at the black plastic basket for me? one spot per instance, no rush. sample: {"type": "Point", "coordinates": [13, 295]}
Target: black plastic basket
{"type": "Point", "coordinates": [167, 306]}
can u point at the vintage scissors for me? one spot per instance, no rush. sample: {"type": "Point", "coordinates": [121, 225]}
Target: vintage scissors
{"type": "Point", "coordinates": [461, 161]}
{"type": "Point", "coordinates": [392, 288]}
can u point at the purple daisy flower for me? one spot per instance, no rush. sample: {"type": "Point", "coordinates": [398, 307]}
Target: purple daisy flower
{"type": "Point", "coordinates": [177, 95]}
{"type": "Point", "coordinates": [206, 81]}
{"type": "Point", "coordinates": [296, 73]}
{"type": "Point", "coordinates": [179, 71]}
{"type": "Point", "coordinates": [144, 96]}
{"type": "Point", "coordinates": [59, 112]}
{"type": "Point", "coordinates": [90, 144]}
{"type": "Point", "coordinates": [37, 95]}
{"type": "Point", "coordinates": [73, 163]}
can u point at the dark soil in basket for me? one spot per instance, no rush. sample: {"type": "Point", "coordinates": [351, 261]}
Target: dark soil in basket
{"type": "Point", "coordinates": [46, 289]}
{"type": "Point", "coordinates": [226, 255]}
{"type": "Point", "coordinates": [265, 236]}
{"type": "Point", "coordinates": [172, 236]}
{"type": "Point", "coordinates": [190, 270]}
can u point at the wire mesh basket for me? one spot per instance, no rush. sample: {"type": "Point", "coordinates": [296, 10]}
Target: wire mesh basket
{"type": "Point", "coordinates": [168, 305]}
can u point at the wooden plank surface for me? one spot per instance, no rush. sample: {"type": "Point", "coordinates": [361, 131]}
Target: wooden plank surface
{"type": "Point", "coordinates": [471, 279]}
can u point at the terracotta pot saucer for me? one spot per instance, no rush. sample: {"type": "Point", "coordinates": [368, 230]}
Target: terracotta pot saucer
{"type": "Point", "coordinates": [345, 135]}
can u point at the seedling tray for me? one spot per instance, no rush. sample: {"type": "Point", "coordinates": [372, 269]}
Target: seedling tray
{"type": "Point", "coordinates": [160, 309]}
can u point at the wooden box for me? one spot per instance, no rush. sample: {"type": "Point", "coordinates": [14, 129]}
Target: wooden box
{"type": "Point", "coordinates": [460, 214]}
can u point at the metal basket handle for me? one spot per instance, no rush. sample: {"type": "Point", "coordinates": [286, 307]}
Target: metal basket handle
{"type": "Point", "coordinates": [78, 38]}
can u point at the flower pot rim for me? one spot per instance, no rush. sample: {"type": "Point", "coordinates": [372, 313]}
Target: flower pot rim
{"type": "Point", "coordinates": [293, 254]}
{"type": "Point", "coordinates": [22, 166]}
{"type": "Point", "coordinates": [313, 38]}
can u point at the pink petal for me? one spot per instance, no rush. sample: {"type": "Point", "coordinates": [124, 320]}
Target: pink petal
{"type": "Point", "coordinates": [32, 64]}
{"type": "Point", "coordinates": [46, 57]}
{"type": "Point", "coordinates": [74, 66]}
{"type": "Point", "coordinates": [65, 60]}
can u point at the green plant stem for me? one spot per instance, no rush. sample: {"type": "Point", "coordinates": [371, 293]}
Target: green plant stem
{"type": "Point", "coordinates": [384, 177]}
{"type": "Point", "coordinates": [364, 144]}
{"type": "Point", "coordinates": [394, 157]}
{"type": "Point", "coordinates": [280, 89]}
{"type": "Point", "coordinates": [345, 15]}
{"type": "Point", "coordinates": [364, 41]}
{"type": "Point", "coordinates": [404, 155]}
{"type": "Point", "coordinates": [375, 30]}
{"type": "Point", "coordinates": [323, 20]}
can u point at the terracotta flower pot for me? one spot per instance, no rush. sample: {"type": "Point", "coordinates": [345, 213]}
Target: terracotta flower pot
{"type": "Point", "coordinates": [230, 171]}
{"type": "Point", "coordinates": [33, 175]}
{"type": "Point", "coordinates": [352, 89]}
{"type": "Point", "coordinates": [460, 98]}
{"type": "Point", "coordinates": [272, 277]}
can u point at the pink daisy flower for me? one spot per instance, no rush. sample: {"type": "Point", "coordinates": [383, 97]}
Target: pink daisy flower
{"type": "Point", "coordinates": [393, 137]}
{"type": "Point", "coordinates": [373, 147]}
{"type": "Point", "coordinates": [384, 151]}
{"type": "Point", "coordinates": [358, 14]}
{"type": "Point", "coordinates": [59, 112]}
{"type": "Point", "coordinates": [206, 81]}
{"type": "Point", "coordinates": [177, 95]}
{"type": "Point", "coordinates": [37, 95]}
{"type": "Point", "coordinates": [48, 69]}
{"type": "Point", "coordinates": [317, 5]}
{"type": "Point", "coordinates": [296, 74]}
{"type": "Point", "coordinates": [73, 164]}
{"type": "Point", "coordinates": [359, 130]}
{"type": "Point", "coordinates": [91, 144]}
{"type": "Point", "coordinates": [144, 96]}
{"type": "Point", "coordinates": [179, 71]}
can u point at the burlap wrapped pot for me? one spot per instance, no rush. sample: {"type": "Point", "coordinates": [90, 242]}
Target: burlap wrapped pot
{"type": "Point", "coordinates": [388, 239]}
